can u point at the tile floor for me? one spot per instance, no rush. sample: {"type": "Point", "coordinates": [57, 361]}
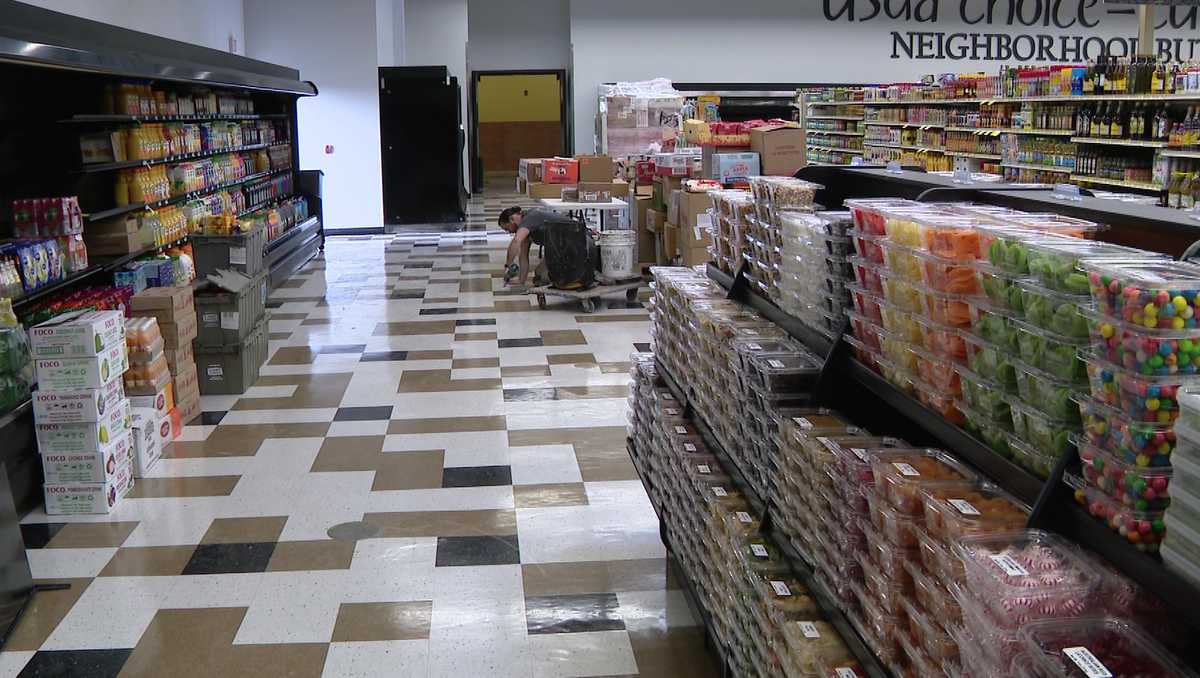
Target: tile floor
{"type": "Point", "coordinates": [429, 479]}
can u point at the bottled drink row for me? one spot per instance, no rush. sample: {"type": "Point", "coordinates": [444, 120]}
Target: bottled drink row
{"type": "Point", "coordinates": [1131, 167]}
{"type": "Point", "coordinates": [1139, 121]}
{"type": "Point", "coordinates": [1183, 190]}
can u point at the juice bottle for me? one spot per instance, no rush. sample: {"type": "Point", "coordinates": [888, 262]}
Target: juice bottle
{"type": "Point", "coordinates": [121, 189]}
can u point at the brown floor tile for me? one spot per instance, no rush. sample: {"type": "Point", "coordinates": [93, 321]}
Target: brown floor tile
{"type": "Point", "coordinates": [414, 378]}
{"type": "Point", "coordinates": [563, 338]}
{"type": "Point", "coordinates": [430, 355]}
{"type": "Point", "coordinates": [410, 470]}
{"type": "Point", "coordinates": [571, 359]}
{"type": "Point", "coordinates": [439, 381]}
{"type": "Point", "coordinates": [412, 278]}
{"type": "Point", "coordinates": [448, 425]}
{"type": "Point", "coordinates": [623, 318]}
{"type": "Point", "coordinates": [444, 523]}
{"type": "Point", "coordinates": [199, 643]}
{"type": "Point", "coordinates": [556, 494]}
{"type": "Point", "coordinates": [525, 371]}
{"type": "Point", "coordinates": [514, 305]}
{"type": "Point", "coordinates": [362, 622]}
{"type": "Point", "coordinates": [316, 321]}
{"type": "Point", "coordinates": [300, 556]}
{"type": "Point", "coordinates": [43, 613]}
{"type": "Point", "coordinates": [293, 355]}
{"type": "Point", "coordinates": [148, 561]}
{"type": "Point", "coordinates": [292, 283]}
{"type": "Point", "coordinates": [92, 535]}
{"type": "Point", "coordinates": [195, 486]}
{"type": "Point", "coordinates": [414, 327]}
{"type": "Point", "coordinates": [614, 368]}
{"type": "Point", "coordinates": [243, 440]}
{"type": "Point", "coordinates": [475, 336]}
{"type": "Point", "coordinates": [473, 363]}
{"type": "Point", "coordinates": [600, 451]}
{"type": "Point", "coordinates": [244, 530]}
{"type": "Point", "coordinates": [475, 285]}
{"type": "Point", "coordinates": [675, 651]}
{"type": "Point", "coordinates": [600, 576]}
{"type": "Point", "coordinates": [592, 392]}
{"type": "Point", "coordinates": [312, 391]}
{"type": "Point", "coordinates": [279, 336]}
{"type": "Point", "coordinates": [349, 453]}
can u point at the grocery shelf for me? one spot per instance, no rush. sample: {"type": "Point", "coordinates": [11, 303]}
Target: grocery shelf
{"type": "Point", "coordinates": [835, 149]}
{"type": "Point", "coordinates": [1135, 143]}
{"type": "Point", "coordinates": [1036, 167]}
{"type": "Point", "coordinates": [287, 235]}
{"type": "Point", "coordinates": [1062, 98]}
{"type": "Point", "coordinates": [834, 103]}
{"type": "Point", "coordinates": [166, 160]}
{"type": "Point", "coordinates": [981, 156]}
{"type": "Point", "coordinates": [183, 197]}
{"type": "Point", "coordinates": [1139, 185]}
{"type": "Point", "coordinates": [140, 119]}
{"type": "Point", "coordinates": [1179, 153]}
{"type": "Point", "coordinates": [921, 102]}
{"type": "Point", "coordinates": [880, 144]}
{"type": "Point", "coordinates": [1014, 130]}
{"type": "Point", "coordinates": [835, 132]}
{"type": "Point", "coordinates": [834, 117]}
{"type": "Point", "coordinates": [924, 149]}
{"type": "Point", "coordinates": [288, 256]}
{"type": "Point", "coordinates": [919, 125]}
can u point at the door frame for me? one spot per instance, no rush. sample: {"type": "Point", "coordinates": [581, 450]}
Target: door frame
{"type": "Point", "coordinates": [566, 109]}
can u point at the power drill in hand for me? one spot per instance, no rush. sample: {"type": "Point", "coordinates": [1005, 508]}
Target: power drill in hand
{"type": "Point", "coordinates": [511, 272]}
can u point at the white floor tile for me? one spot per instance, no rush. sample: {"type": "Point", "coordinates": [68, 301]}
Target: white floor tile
{"type": "Point", "coordinates": [544, 464]}
{"type": "Point", "coordinates": [11, 663]}
{"type": "Point", "coordinates": [566, 655]}
{"type": "Point", "coordinates": [577, 533]}
{"type": "Point", "coordinates": [379, 659]}
{"type": "Point", "coordinates": [441, 499]}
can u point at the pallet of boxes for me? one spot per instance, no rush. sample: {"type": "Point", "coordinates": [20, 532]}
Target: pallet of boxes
{"type": "Point", "coordinates": [81, 412]}
{"type": "Point", "coordinates": [164, 404]}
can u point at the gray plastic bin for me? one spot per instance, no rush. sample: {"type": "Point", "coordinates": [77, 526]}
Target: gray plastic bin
{"type": "Point", "coordinates": [242, 252]}
{"type": "Point", "coordinates": [230, 369]}
{"type": "Point", "coordinates": [225, 317]}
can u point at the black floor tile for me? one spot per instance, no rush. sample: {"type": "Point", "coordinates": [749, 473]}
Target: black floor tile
{"type": "Point", "coordinates": [342, 348]}
{"type": "Point", "coordinates": [37, 535]}
{"type": "Point", "coordinates": [230, 558]}
{"type": "Point", "coordinates": [641, 347]}
{"type": "Point", "coordinates": [614, 303]}
{"type": "Point", "coordinates": [475, 322]}
{"type": "Point", "coordinates": [211, 418]}
{"type": "Point", "coordinates": [71, 663]}
{"type": "Point", "coordinates": [381, 413]}
{"type": "Point", "coordinates": [407, 294]}
{"type": "Point", "coordinates": [469, 551]}
{"type": "Point", "coordinates": [573, 614]}
{"type": "Point", "coordinates": [520, 343]}
{"type": "Point", "coordinates": [275, 304]}
{"type": "Point", "coordinates": [385, 356]}
{"type": "Point", "coordinates": [438, 311]}
{"type": "Point", "coordinates": [524, 395]}
{"type": "Point", "coordinates": [476, 476]}
{"type": "Point", "coordinates": [418, 264]}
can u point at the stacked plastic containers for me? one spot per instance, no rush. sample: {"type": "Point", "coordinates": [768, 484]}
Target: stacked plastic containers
{"type": "Point", "coordinates": [1181, 548]}
{"type": "Point", "coordinates": [763, 241]}
{"type": "Point", "coordinates": [814, 269]}
{"type": "Point", "coordinates": [730, 217]}
{"type": "Point", "coordinates": [1145, 353]}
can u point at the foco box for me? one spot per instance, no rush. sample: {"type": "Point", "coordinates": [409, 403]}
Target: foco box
{"type": "Point", "coordinates": [97, 466]}
{"type": "Point", "coordinates": [166, 430]}
{"type": "Point", "coordinates": [146, 446]}
{"type": "Point", "coordinates": [78, 373]}
{"type": "Point", "coordinates": [88, 498]}
{"type": "Point", "coordinates": [86, 437]}
{"type": "Point", "coordinates": [79, 334]}
{"type": "Point", "coordinates": [78, 405]}
{"type": "Point", "coordinates": [161, 402]}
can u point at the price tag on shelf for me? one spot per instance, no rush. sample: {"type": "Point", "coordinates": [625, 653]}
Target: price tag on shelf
{"type": "Point", "coordinates": [906, 469]}
{"type": "Point", "coordinates": [829, 444]}
{"type": "Point", "coordinates": [744, 517]}
{"type": "Point", "coordinates": [689, 447]}
{"type": "Point", "coordinates": [809, 630]}
{"type": "Point", "coordinates": [681, 430]}
{"type": "Point", "coordinates": [861, 453]}
{"type": "Point", "coordinates": [720, 491]}
{"type": "Point", "coordinates": [754, 347]}
{"type": "Point", "coordinates": [671, 412]}
{"type": "Point", "coordinates": [777, 364]}
{"type": "Point", "coordinates": [1087, 662]}
{"type": "Point", "coordinates": [704, 468]}
{"type": "Point", "coordinates": [802, 422]}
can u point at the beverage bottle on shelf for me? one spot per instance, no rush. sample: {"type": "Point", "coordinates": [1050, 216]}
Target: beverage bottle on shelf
{"type": "Point", "coordinates": [1186, 201]}
{"type": "Point", "coordinates": [1096, 117]}
{"type": "Point", "coordinates": [1089, 79]}
{"type": "Point", "coordinates": [1083, 122]}
{"type": "Point", "coordinates": [1173, 189]}
{"type": "Point", "coordinates": [1118, 127]}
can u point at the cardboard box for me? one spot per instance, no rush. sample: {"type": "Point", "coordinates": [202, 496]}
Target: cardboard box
{"type": "Point", "coordinates": [673, 206]}
{"type": "Point", "coordinates": [780, 148]}
{"type": "Point", "coordinates": [84, 437]}
{"type": "Point", "coordinates": [537, 191]}
{"type": "Point", "coordinates": [182, 331]}
{"type": "Point", "coordinates": [78, 405]}
{"type": "Point", "coordinates": [620, 189]}
{"type": "Point", "coordinates": [180, 356]}
{"type": "Point", "coordinates": [88, 498]}
{"type": "Point", "coordinates": [694, 256]}
{"type": "Point", "coordinates": [166, 431]}
{"type": "Point", "coordinates": [638, 221]}
{"type": "Point", "coordinates": [694, 220]}
{"type": "Point", "coordinates": [670, 241]}
{"type": "Point", "coordinates": [596, 192]}
{"type": "Point", "coordinates": [165, 303]}
{"type": "Point", "coordinates": [644, 190]}
{"type": "Point", "coordinates": [146, 448]}
{"type": "Point", "coordinates": [730, 167]}
{"type": "Point", "coordinates": [530, 169]}
{"type": "Point", "coordinates": [620, 112]}
{"type": "Point", "coordinates": [595, 168]}
{"type": "Point", "coordinates": [187, 383]}
{"type": "Point", "coordinates": [188, 410]}
{"type": "Point", "coordinates": [160, 402]}
{"type": "Point", "coordinates": [560, 171]}
{"type": "Point", "coordinates": [662, 191]}
{"type": "Point", "coordinates": [62, 374]}
{"type": "Point", "coordinates": [96, 466]}
{"type": "Point", "coordinates": [82, 333]}
{"type": "Point", "coordinates": [522, 185]}
{"type": "Point", "coordinates": [673, 164]}
{"type": "Point", "coordinates": [655, 220]}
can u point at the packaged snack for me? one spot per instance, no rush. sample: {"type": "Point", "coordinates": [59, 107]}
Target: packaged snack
{"type": "Point", "coordinates": [955, 511]}
{"type": "Point", "coordinates": [990, 361]}
{"type": "Point", "coordinates": [1056, 354]}
{"type": "Point", "coordinates": [1143, 529]}
{"type": "Point", "coordinates": [1153, 294]}
{"type": "Point", "coordinates": [1062, 314]}
{"type": "Point", "coordinates": [1151, 399]}
{"type": "Point", "coordinates": [1144, 488]}
{"type": "Point", "coordinates": [1048, 393]}
{"type": "Point", "coordinates": [1095, 647]}
{"type": "Point", "coordinates": [1149, 351]}
{"type": "Point", "coordinates": [900, 475]}
{"type": "Point", "coordinates": [1056, 264]}
{"type": "Point", "coordinates": [998, 286]}
{"type": "Point", "coordinates": [1031, 458]}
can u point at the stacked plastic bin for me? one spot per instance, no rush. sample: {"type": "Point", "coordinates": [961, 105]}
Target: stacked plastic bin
{"type": "Point", "coordinates": [764, 238]}
{"type": "Point", "coordinates": [814, 268]}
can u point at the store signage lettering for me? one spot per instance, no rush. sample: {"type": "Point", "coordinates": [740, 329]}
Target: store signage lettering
{"type": "Point", "coordinates": [1003, 45]}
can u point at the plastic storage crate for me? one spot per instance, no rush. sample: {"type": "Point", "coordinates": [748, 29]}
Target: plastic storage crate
{"type": "Point", "coordinates": [242, 252]}
{"type": "Point", "coordinates": [229, 369]}
{"type": "Point", "coordinates": [226, 317]}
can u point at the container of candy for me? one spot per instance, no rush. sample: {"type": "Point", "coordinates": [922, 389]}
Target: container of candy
{"type": "Point", "coordinates": [1048, 393]}
{"type": "Point", "coordinates": [1143, 529]}
{"type": "Point", "coordinates": [949, 276]}
{"type": "Point", "coordinates": [869, 248]}
{"type": "Point", "coordinates": [1054, 353]}
{"type": "Point", "coordinates": [990, 361]}
{"type": "Point", "coordinates": [984, 396]}
{"type": "Point", "coordinates": [901, 475]}
{"type": "Point", "coordinates": [993, 324]}
{"type": "Point", "coordinates": [1143, 488]}
{"type": "Point", "coordinates": [1051, 436]}
{"type": "Point", "coordinates": [868, 212]}
{"type": "Point", "coordinates": [1054, 311]}
{"type": "Point", "coordinates": [994, 434]}
{"type": "Point", "coordinates": [901, 261]}
{"type": "Point", "coordinates": [942, 340]}
{"type": "Point", "coordinates": [939, 373]}
{"type": "Point", "coordinates": [862, 353]}
{"type": "Point", "coordinates": [939, 401]}
{"type": "Point", "coordinates": [946, 309]}
{"type": "Point", "coordinates": [955, 511]}
{"type": "Point", "coordinates": [932, 596]}
{"type": "Point", "coordinates": [1031, 458]}
{"type": "Point", "coordinates": [926, 629]}
{"type": "Point", "coordinates": [1029, 574]}
{"type": "Point", "coordinates": [913, 659]}
{"type": "Point", "coordinates": [901, 292]}
{"type": "Point", "coordinates": [1155, 294]}
{"type": "Point", "coordinates": [902, 323]}
{"type": "Point", "coordinates": [866, 304]}
{"type": "Point", "coordinates": [934, 557]}
{"type": "Point", "coordinates": [811, 643]}
{"type": "Point", "coordinates": [1145, 350]}
{"type": "Point", "coordinates": [1140, 397]}
{"type": "Point", "coordinates": [998, 286]}
{"type": "Point", "coordinates": [786, 372]}
{"type": "Point", "coordinates": [1057, 264]}
{"type": "Point", "coordinates": [1097, 646]}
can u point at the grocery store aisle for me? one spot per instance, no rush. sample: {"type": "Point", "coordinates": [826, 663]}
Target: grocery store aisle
{"type": "Point", "coordinates": [430, 478]}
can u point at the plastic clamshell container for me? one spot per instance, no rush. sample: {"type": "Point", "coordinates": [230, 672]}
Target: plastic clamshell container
{"type": "Point", "coordinates": [1048, 393]}
{"type": "Point", "coordinates": [1144, 530]}
{"type": "Point", "coordinates": [896, 376]}
{"type": "Point", "coordinates": [1138, 443]}
{"type": "Point", "coordinates": [836, 222]}
{"type": "Point", "coordinates": [954, 310]}
{"type": "Point", "coordinates": [862, 353]}
{"type": "Point", "coordinates": [948, 276]}
{"type": "Point", "coordinates": [992, 323]}
{"type": "Point", "coordinates": [1053, 353]}
{"type": "Point", "coordinates": [901, 322]}
{"type": "Point", "coordinates": [1057, 263]}
{"type": "Point", "coordinates": [1145, 350]}
{"type": "Point", "coordinates": [992, 433]}
{"type": "Point", "coordinates": [812, 643]}
{"type": "Point", "coordinates": [991, 361]}
{"type": "Point", "coordinates": [923, 628]}
{"type": "Point", "coordinates": [888, 592]}
{"type": "Point", "coordinates": [938, 372]}
{"type": "Point", "coordinates": [786, 372]}
{"type": "Point", "coordinates": [1005, 245]}
{"type": "Point", "coordinates": [899, 351]}
{"type": "Point", "coordinates": [946, 235]}
{"type": "Point", "coordinates": [942, 340]}
{"type": "Point", "coordinates": [1031, 458]}
{"type": "Point", "coordinates": [1181, 548]}
{"type": "Point", "coordinates": [1028, 574]}
{"type": "Point", "coordinates": [900, 475]}
{"type": "Point", "coordinates": [939, 401]}
{"type": "Point", "coordinates": [866, 274]}
{"type": "Point", "coordinates": [1097, 647]}
{"type": "Point", "coordinates": [1143, 488]}
{"type": "Point", "coordinates": [868, 247]}
{"type": "Point", "coordinates": [1044, 433]}
{"type": "Point", "coordinates": [868, 212]}
{"type": "Point", "coordinates": [1140, 397]}
{"type": "Point", "coordinates": [998, 286]}
{"type": "Point", "coordinates": [866, 304]}
{"type": "Point", "coordinates": [746, 349]}
{"type": "Point", "coordinates": [901, 292]}
{"type": "Point", "coordinates": [1139, 292]}
{"type": "Point", "coordinates": [935, 555]}
{"type": "Point", "coordinates": [901, 261]}
{"type": "Point", "coordinates": [886, 555]}
{"type": "Point", "coordinates": [1186, 463]}
{"type": "Point", "coordinates": [1053, 311]}
{"type": "Point", "coordinates": [960, 510]}
{"type": "Point", "coordinates": [898, 528]}
{"type": "Point", "coordinates": [984, 396]}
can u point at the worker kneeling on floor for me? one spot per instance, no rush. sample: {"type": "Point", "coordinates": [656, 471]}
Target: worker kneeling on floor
{"type": "Point", "coordinates": [569, 253]}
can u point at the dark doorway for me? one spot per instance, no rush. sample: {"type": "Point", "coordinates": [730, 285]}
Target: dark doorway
{"type": "Point", "coordinates": [517, 114]}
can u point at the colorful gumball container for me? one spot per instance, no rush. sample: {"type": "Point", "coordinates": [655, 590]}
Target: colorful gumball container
{"type": "Point", "coordinates": [1135, 443]}
{"type": "Point", "coordinates": [1099, 646]}
{"type": "Point", "coordinates": [1057, 264]}
{"type": "Point", "coordinates": [1156, 294]}
{"type": "Point", "coordinates": [1145, 351]}
{"type": "Point", "coordinates": [868, 212]}
{"type": "Point", "coordinates": [1151, 399]}
{"type": "Point", "coordinates": [1142, 529]}
{"type": "Point", "coordinates": [1142, 488]}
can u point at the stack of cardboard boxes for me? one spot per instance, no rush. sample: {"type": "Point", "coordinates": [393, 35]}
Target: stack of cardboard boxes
{"type": "Point", "coordinates": [81, 413]}
{"type": "Point", "coordinates": [584, 178]}
{"type": "Point", "coordinates": [150, 387]}
{"type": "Point", "coordinates": [175, 311]}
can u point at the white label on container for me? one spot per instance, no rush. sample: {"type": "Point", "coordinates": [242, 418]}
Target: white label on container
{"type": "Point", "coordinates": [906, 469]}
{"type": "Point", "coordinates": [230, 320]}
{"type": "Point", "coordinates": [809, 630]}
{"type": "Point", "coordinates": [672, 412]}
{"type": "Point", "coordinates": [781, 589]}
{"type": "Point", "coordinates": [1011, 567]}
{"type": "Point", "coordinates": [681, 430]}
{"type": "Point", "coordinates": [237, 255]}
{"type": "Point", "coordinates": [829, 444]}
{"type": "Point", "coordinates": [720, 491]}
{"type": "Point", "coordinates": [688, 447]}
{"type": "Point", "coordinates": [1087, 662]}
{"type": "Point", "coordinates": [210, 318]}
{"type": "Point", "coordinates": [861, 454]}
{"type": "Point", "coordinates": [802, 422]}
{"type": "Point", "coordinates": [754, 347]}
{"type": "Point", "coordinates": [777, 364]}
{"type": "Point", "coordinates": [964, 507]}
{"type": "Point", "coordinates": [744, 517]}
{"type": "Point", "coordinates": [703, 468]}
{"type": "Point", "coordinates": [842, 671]}
{"type": "Point", "coordinates": [216, 371]}
{"type": "Point", "coordinates": [759, 550]}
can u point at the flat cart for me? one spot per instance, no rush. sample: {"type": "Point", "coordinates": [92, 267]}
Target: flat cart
{"type": "Point", "coordinates": [587, 297]}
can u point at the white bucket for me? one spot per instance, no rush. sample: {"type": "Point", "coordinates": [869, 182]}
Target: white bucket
{"type": "Point", "coordinates": [618, 254]}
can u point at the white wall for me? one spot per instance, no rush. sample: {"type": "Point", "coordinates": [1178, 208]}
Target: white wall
{"type": "Point", "coordinates": [435, 34]}
{"type": "Point", "coordinates": [786, 41]}
{"type": "Point", "coordinates": [518, 35]}
{"type": "Point", "coordinates": [209, 23]}
{"type": "Point", "coordinates": [334, 44]}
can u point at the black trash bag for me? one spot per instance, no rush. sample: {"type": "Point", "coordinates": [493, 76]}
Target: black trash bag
{"type": "Point", "coordinates": [569, 253]}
